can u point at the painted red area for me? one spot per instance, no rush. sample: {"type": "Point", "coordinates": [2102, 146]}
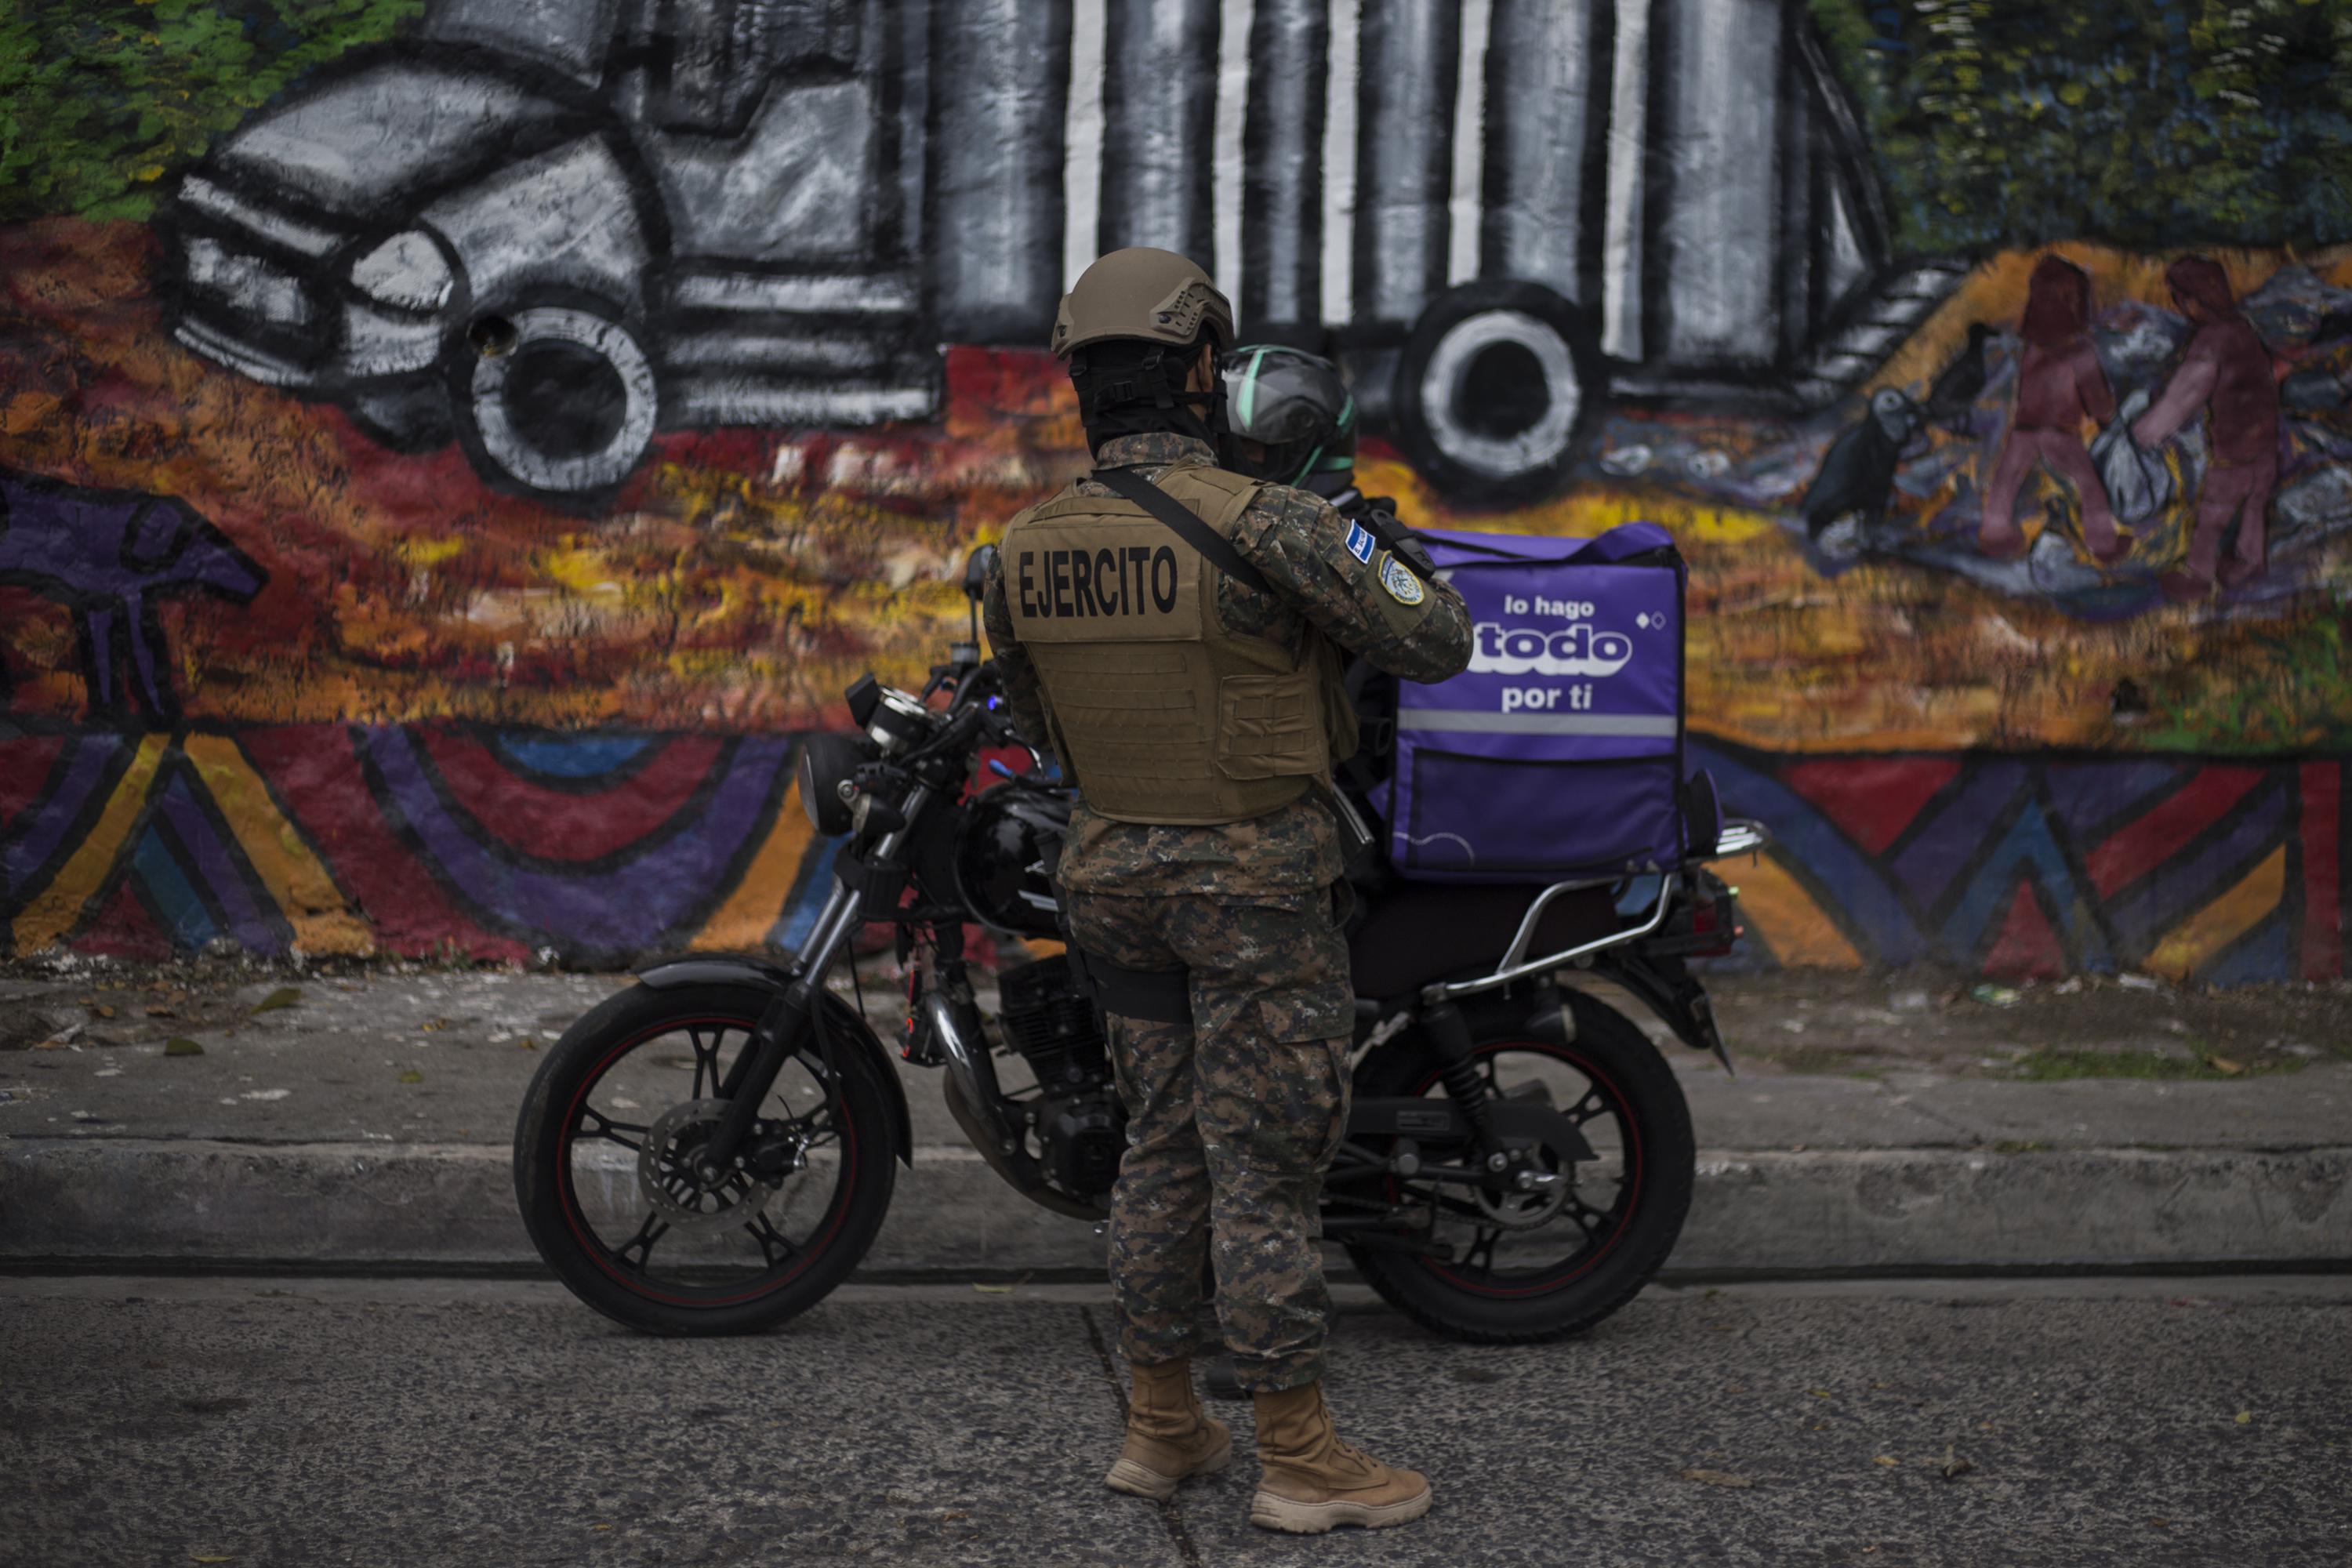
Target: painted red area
{"type": "Point", "coordinates": [125, 929]}
{"type": "Point", "coordinates": [316, 773]}
{"type": "Point", "coordinates": [2209, 795]}
{"type": "Point", "coordinates": [2321, 833]}
{"type": "Point", "coordinates": [25, 764]}
{"type": "Point", "coordinates": [2026, 949]}
{"type": "Point", "coordinates": [1871, 799]}
{"type": "Point", "coordinates": [565, 825]}
{"type": "Point", "coordinates": [729, 448]}
{"type": "Point", "coordinates": [983, 381]}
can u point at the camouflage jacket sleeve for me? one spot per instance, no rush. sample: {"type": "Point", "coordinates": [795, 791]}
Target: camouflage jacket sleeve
{"type": "Point", "coordinates": [1352, 587]}
{"type": "Point", "coordinates": [1023, 697]}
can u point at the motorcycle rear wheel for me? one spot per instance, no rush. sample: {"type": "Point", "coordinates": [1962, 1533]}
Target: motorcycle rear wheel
{"type": "Point", "coordinates": [1627, 1101]}
{"type": "Point", "coordinates": [606, 1090]}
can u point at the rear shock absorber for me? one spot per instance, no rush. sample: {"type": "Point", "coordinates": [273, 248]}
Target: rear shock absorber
{"type": "Point", "coordinates": [1449, 1032]}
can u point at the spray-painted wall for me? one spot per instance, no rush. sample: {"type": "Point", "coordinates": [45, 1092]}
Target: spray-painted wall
{"type": "Point", "coordinates": [449, 448]}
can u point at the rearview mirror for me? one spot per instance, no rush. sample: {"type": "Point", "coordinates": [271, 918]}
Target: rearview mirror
{"type": "Point", "coordinates": [976, 568]}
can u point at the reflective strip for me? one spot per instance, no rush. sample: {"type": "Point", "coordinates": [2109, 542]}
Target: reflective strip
{"type": "Point", "coordinates": [1475, 722]}
{"type": "Point", "coordinates": [1249, 388]}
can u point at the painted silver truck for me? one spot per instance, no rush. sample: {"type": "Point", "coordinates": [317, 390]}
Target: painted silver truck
{"type": "Point", "coordinates": [550, 228]}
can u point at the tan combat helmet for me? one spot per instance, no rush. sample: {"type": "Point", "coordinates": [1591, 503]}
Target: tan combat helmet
{"type": "Point", "coordinates": [1140, 292]}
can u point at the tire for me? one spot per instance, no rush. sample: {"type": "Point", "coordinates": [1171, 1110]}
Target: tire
{"type": "Point", "coordinates": [1620, 1062]}
{"type": "Point", "coordinates": [1495, 389]}
{"type": "Point", "coordinates": [549, 1136]}
{"type": "Point", "coordinates": [558, 401]}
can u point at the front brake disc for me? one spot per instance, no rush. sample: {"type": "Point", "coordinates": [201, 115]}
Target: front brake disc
{"type": "Point", "coordinates": [666, 1173]}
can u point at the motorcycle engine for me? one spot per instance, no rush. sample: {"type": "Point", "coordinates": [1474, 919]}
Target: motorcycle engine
{"type": "Point", "coordinates": [1083, 1141]}
{"type": "Point", "coordinates": [1052, 1024]}
{"type": "Point", "coordinates": [1081, 1127]}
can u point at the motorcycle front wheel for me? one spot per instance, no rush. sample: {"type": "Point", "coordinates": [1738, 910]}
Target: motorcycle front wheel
{"type": "Point", "coordinates": [1545, 1266]}
{"type": "Point", "coordinates": [604, 1166]}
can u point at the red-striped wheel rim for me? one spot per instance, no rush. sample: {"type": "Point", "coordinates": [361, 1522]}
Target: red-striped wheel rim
{"type": "Point", "coordinates": [1628, 1200]}
{"type": "Point", "coordinates": [592, 1247]}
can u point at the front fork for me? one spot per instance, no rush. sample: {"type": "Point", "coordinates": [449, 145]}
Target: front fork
{"type": "Point", "coordinates": [783, 1024]}
{"type": "Point", "coordinates": [789, 1018]}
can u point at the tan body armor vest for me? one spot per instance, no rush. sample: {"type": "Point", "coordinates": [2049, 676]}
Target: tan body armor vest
{"type": "Point", "coordinates": [1160, 715]}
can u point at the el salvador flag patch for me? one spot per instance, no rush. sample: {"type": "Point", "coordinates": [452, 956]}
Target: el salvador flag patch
{"type": "Point", "coordinates": [1359, 542]}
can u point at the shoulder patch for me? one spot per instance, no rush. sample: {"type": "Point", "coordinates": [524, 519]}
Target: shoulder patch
{"type": "Point", "coordinates": [1359, 542]}
{"type": "Point", "coordinates": [1402, 585]}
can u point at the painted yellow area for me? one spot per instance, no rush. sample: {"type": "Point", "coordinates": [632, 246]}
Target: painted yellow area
{"type": "Point", "coordinates": [430, 552]}
{"type": "Point", "coordinates": [2196, 940]}
{"type": "Point", "coordinates": [744, 920]}
{"type": "Point", "coordinates": [304, 893]}
{"type": "Point", "coordinates": [1578, 514]}
{"type": "Point", "coordinates": [59, 907]}
{"type": "Point", "coordinates": [1778, 909]}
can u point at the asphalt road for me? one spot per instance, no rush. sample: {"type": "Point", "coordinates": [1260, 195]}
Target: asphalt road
{"type": "Point", "coordinates": [170, 1421]}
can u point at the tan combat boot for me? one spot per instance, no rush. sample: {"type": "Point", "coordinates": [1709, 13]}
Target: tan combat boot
{"type": "Point", "coordinates": [1169, 1437]}
{"type": "Point", "coordinates": [1313, 1481]}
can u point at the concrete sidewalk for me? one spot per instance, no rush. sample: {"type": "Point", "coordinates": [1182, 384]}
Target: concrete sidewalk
{"type": "Point", "coordinates": [1873, 1125]}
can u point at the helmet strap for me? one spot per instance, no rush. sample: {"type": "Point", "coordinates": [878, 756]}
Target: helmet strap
{"type": "Point", "coordinates": [1153, 400]}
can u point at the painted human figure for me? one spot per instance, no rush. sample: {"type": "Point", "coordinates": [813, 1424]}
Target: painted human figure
{"type": "Point", "coordinates": [2225, 371]}
{"type": "Point", "coordinates": [2059, 380]}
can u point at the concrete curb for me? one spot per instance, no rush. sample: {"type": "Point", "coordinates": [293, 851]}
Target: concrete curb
{"type": "Point", "coordinates": [450, 1204]}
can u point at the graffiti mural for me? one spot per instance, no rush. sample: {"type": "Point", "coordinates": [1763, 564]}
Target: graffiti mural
{"type": "Point", "coordinates": [113, 559]}
{"type": "Point", "coordinates": [419, 839]}
{"type": "Point", "coordinates": [2037, 866]}
{"type": "Point", "coordinates": [435, 838]}
{"type": "Point", "coordinates": [549, 235]}
{"type": "Point", "coordinates": [450, 449]}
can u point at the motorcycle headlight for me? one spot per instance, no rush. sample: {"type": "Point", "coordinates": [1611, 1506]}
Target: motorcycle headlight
{"type": "Point", "coordinates": [407, 272]}
{"type": "Point", "coordinates": [828, 761]}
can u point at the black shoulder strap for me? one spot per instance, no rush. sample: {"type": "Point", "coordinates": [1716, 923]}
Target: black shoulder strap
{"type": "Point", "coordinates": [1129, 484]}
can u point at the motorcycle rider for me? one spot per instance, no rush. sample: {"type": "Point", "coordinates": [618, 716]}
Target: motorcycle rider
{"type": "Point", "coordinates": [1293, 421]}
{"type": "Point", "coordinates": [1172, 631]}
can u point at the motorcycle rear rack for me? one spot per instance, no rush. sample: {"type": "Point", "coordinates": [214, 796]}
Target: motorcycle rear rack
{"type": "Point", "coordinates": [1739, 837]}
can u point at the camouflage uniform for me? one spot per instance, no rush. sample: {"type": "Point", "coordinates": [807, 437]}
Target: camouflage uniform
{"type": "Point", "coordinates": [1234, 1117]}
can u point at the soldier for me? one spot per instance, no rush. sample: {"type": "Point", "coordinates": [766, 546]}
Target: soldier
{"type": "Point", "coordinates": [1172, 631]}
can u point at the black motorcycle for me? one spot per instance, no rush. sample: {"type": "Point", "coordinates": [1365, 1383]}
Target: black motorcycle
{"type": "Point", "coordinates": [711, 1150]}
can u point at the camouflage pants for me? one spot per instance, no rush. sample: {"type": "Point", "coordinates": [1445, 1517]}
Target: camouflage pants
{"type": "Point", "coordinates": [1233, 1119]}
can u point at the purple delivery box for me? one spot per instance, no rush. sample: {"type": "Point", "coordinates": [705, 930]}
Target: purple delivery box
{"type": "Point", "coordinates": [1559, 753]}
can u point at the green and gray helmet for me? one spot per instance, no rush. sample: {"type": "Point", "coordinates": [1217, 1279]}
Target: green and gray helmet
{"type": "Point", "coordinates": [1293, 411]}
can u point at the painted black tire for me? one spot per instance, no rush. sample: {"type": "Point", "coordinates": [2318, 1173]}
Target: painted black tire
{"type": "Point", "coordinates": [409, 417]}
{"type": "Point", "coordinates": [1496, 390]}
{"type": "Point", "coordinates": [558, 400]}
{"type": "Point", "coordinates": [1660, 1161]}
{"type": "Point", "coordinates": [556, 1216]}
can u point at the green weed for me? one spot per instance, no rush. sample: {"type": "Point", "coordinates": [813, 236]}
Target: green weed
{"type": "Point", "coordinates": [2153, 124]}
{"type": "Point", "coordinates": [102, 100]}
